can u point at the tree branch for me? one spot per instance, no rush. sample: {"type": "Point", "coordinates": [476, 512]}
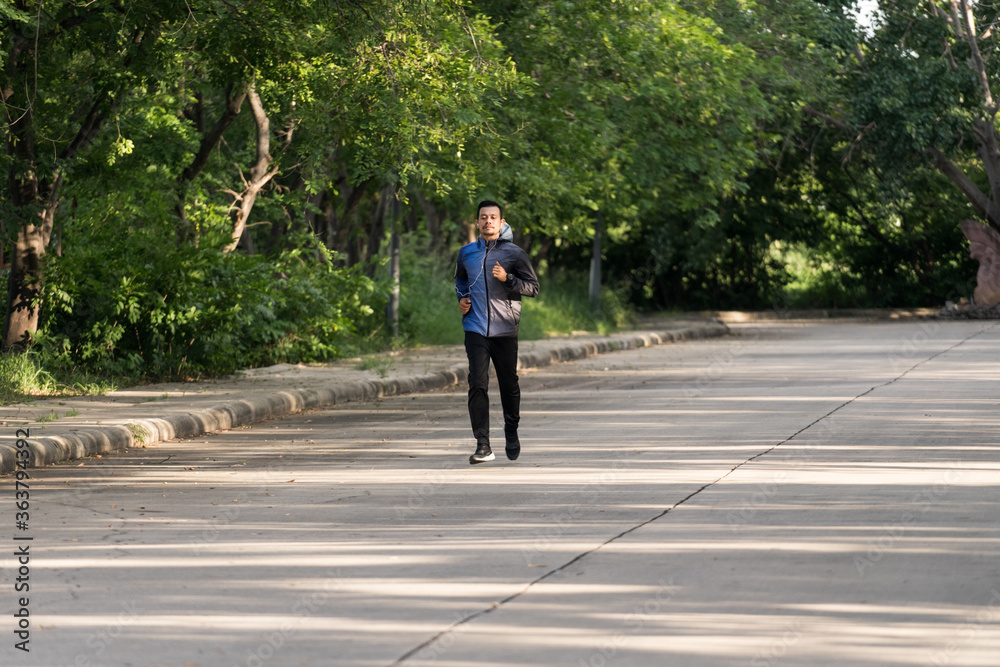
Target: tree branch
{"type": "Point", "coordinates": [976, 61]}
{"type": "Point", "coordinates": [829, 120]}
{"type": "Point", "coordinates": [211, 139]}
{"type": "Point", "coordinates": [956, 21]}
{"type": "Point", "coordinates": [263, 135]}
{"type": "Point", "coordinates": [260, 173]}
{"type": "Point", "coordinates": [951, 58]}
{"type": "Point", "coordinates": [98, 112]}
{"type": "Point", "coordinates": [971, 191]}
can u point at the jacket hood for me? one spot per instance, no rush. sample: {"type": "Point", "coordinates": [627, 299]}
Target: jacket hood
{"type": "Point", "coordinates": [506, 234]}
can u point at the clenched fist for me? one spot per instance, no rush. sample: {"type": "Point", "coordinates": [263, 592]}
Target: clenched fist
{"type": "Point", "coordinates": [499, 273]}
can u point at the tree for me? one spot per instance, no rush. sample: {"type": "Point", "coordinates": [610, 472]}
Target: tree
{"type": "Point", "coordinates": [67, 70]}
{"type": "Point", "coordinates": [125, 106]}
{"type": "Point", "coordinates": [715, 246]}
{"type": "Point", "coordinates": [634, 107]}
{"type": "Point", "coordinates": [923, 92]}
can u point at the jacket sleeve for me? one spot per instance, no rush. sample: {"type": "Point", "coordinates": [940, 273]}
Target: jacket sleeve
{"type": "Point", "coordinates": [521, 278]}
{"type": "Point", "coordinates": [461, 278]}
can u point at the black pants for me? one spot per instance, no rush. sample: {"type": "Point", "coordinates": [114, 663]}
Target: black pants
{"type": "Point", "coordinates": [503, 353]}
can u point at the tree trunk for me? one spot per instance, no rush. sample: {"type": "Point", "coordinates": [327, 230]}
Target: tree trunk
{"type": "Point", "coordinates": [24, 287]}
{"type": "Point", "coordinates": [259, 174]}
{"type": "Point", "coordinates": [208, 143]}
{"type": "Point", "coordinates": [595, 265]}
{"type": "Point", "coordinates": [432, 221]}
{"type": "Point", "coordinates": [35, 197]}
{"type": "Point", "coordinates": [28, 193]}
{"type": "Point", "coordinates": [393, 211]}
{"type": "Point", "coordinates": [376, 229]}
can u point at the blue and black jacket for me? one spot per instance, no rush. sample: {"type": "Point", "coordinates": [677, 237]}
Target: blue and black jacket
{"type": "Point", "coordinates": [496, 306]}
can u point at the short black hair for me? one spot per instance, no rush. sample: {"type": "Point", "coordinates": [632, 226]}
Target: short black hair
{"type": "Point", "coordinates": [486, 203]}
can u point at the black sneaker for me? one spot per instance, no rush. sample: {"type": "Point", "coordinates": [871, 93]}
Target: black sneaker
{"type": "Point", "coordinates": [482, 455]}
{"type": "Point", "coordinates": [513, 448]}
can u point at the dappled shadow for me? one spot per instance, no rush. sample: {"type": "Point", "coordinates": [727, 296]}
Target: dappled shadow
{"type": "Point", "coordinates": [353, 536]}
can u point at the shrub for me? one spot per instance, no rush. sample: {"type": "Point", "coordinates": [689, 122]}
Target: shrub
{"type": "Point", "coordinates": [429, 312]}
{"type": "Point", "coordinates": [131, 308]}
{"type": "Point", "coordinates": [22, 375]}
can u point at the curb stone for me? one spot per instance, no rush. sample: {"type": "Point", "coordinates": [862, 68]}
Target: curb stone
{"type": "Point", "coordinates": [231, 414]}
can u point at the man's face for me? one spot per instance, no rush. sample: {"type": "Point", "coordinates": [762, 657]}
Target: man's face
{"type": "Point", "coordinates": [489, 222]}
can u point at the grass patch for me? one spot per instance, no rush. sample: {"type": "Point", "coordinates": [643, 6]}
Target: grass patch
{"type": "Point", "coordinates": [53, 415]}
{"type": "Point", "coordinates": [22, 376]}
{"type": "Point", "coordinates": [429, 308]}
{"type": "Point", "coordinates": [381, 364]}
{"type": "Point", "coordinates": [47, 417]}
{"type": "Point", "coordinates": [563, 307]}
{"type": "Point", "coordinates": [140, 434]}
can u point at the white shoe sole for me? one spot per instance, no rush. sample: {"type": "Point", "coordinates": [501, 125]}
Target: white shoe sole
{"type": "Point", "coordinates": [481, 459]}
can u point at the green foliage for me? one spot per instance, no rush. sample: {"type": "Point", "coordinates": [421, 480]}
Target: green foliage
{"type": "Point", "coordinates": [634, 107]}
{"type": "Point", "coordinates": [130, 309]}
{"type": "Point", "coordinates": [22, 375]}
{"type": "Point", "coordinates": [563, 307]}
{"type": "Point", "coordinates": [815, 282]}
{"type": "Point", "coordinates": [380, 363]}
{"type": "Point", "coordinates": [428, 307]}
{"type": "Point", "coordinates": [885, 246]}
{"type": "Point", "coordinates": [686, 123]}
{"type": "Point", "coordinates": [429, 312]}
{"type": "Point", "coordinates": [906, 94]}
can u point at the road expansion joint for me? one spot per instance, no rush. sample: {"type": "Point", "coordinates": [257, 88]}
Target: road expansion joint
{"type": "Point", "coordinates": [498, 604]}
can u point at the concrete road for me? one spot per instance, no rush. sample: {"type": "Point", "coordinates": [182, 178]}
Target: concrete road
{"type": "Point", "coordinates": [802, 494]}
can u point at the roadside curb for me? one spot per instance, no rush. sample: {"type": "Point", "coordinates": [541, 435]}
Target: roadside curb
{"type": "Point", "coordinates": [842, 314]}
{"type": "Point", "coordinates": [231, 414]}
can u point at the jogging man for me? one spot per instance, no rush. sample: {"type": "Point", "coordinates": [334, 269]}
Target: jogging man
{"type": "Point", "coordinates": [491, 277]}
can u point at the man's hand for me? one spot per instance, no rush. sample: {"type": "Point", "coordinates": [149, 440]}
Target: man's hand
{"type": "Point", "coordinates": [464, 305]}
{"type": "Point", "coordinates": [499, 273]}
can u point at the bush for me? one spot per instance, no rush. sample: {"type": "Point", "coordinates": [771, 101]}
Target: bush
{"type": "Point", "coordinates": [145, 310]}
{"type": "Point", "coordinates": [429, 312]}
{"type": "Point", "coordinates": [428, 307]}
{"type": "Point", "coordinates": [563, 306]}
{"type": "Point", "coordinates": [21, 375]}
